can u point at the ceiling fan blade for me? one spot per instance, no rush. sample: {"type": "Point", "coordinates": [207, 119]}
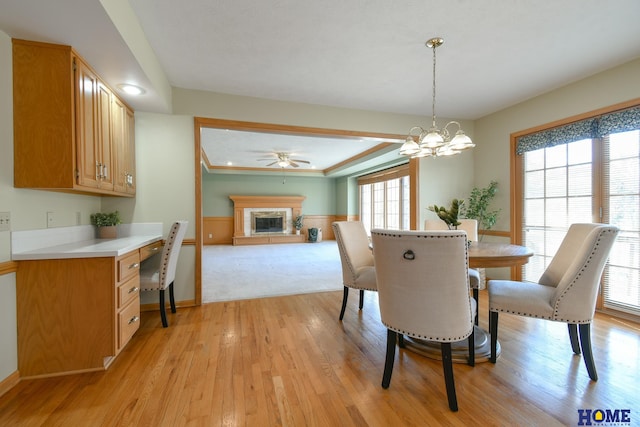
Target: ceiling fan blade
{"type": "Point", "coordinates": [271, 164]}
{"type": "Point", "coordinates": [294, 164]}
{"type": "Point", "coordinates": [300, 161]}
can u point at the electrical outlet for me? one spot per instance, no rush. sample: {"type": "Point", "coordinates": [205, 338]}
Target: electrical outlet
{"type": "Point", "coordinates": [50, 219]}
{"type": "Point", "coordinates": [210, 236]}
{"type": "Point", "coordinates": [5, 221]}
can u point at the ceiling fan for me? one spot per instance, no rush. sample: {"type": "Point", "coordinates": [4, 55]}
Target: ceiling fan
{"type": "Point", "coordinates": [283, 160]}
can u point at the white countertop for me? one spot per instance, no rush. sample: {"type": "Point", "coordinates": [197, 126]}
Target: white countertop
{"type": "Point", "coordinates": [78, 242]}
{"type": "Point", "coordinates": [88, 249]}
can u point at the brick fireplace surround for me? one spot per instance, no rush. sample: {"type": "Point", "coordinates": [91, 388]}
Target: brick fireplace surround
{"type": "Point", "coordinates": [240, 203]}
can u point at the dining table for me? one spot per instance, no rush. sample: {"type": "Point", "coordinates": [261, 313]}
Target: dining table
{"type": "Point", "coordinates": [481, 255]}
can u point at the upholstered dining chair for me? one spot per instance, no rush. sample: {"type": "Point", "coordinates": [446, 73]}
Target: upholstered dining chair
{"type": "Point", "coordinates": [470, 226]}
{"type": "Point", "coordinates": [423, 292]}
{"type": "Point", "coordinates": [158, 272]}
{"type": "Point", "coordinates": [566, 291]}
{"type": "Point", "coordinates": [356, 257]}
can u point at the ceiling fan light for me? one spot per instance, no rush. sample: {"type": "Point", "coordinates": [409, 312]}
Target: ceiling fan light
{"type": "Point", "coordinates": [283, 163]}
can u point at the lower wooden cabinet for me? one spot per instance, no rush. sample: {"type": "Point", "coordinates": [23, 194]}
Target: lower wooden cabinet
{"type": "Point", "coordinates": [76, 315]}
{"type": "Point", "coordinates": [128, 321]}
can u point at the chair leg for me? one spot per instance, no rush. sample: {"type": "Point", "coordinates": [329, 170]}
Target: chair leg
{"type": "Point", "coordinates": [585, 343]}
{"type": "Point", "coordinates": [391, 355]}
{"type": "Point", "coordinates": [345, 296]}
{"type": "Point", "coordinates": [493, 331]}
{"type": "Point", "coordinates": [472, 348]}
{"type": "Point", "coordinates": [361, 298]}
{"type": "Point", "coordinates": [163, 314]}
{"type": "Point", "coordinates": [447, 366]}
{"type": "Point", "coordinates": [475, 297]}
{"type": "Point", "coordinates": [172, 300]}
{"type": "Point", "coordinates": [573, 336]}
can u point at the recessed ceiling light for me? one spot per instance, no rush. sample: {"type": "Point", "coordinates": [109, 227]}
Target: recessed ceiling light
{"type": "Point", "coordinates": [131, 89]}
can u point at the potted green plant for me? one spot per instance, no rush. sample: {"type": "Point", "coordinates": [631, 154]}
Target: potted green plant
{"type": "Point", "coordinates": [298, 222]}
{"type": "Point", "coordinates": [449, 216]}
{"type": "Point", "coordinates": [106, 224]}
{"type": "Point", "coordinates": [478, 206]}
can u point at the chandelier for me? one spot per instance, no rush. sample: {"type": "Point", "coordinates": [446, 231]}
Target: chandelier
{"type": "Point", "coordinates": [435, 142]}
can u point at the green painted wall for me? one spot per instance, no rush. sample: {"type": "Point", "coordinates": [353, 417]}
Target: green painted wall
{"type": "Point", "coordinates": [320, 192]}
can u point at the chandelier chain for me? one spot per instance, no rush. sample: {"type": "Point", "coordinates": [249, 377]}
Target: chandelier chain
{"type": "Point", "coordinates": [433, 88]}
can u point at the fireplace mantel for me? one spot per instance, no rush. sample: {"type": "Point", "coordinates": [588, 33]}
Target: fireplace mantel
{"type": "Point", "coordinates": [240, 203]}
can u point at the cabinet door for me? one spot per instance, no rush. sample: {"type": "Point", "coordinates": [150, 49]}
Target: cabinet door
{"type": "Point", "coordinates": [87, 150]}
{"type": "Point", "coordinates": [104, 137]}
{"type": "Point", "coordinates": [123, 148]}
{"type": "Point", "coordinates": [129, 125]}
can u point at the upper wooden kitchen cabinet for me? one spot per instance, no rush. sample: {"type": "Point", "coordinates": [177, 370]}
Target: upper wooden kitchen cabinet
{"type": "Point", "coordinates": [123, 146]}
{"type": "Point", "coordinates": [71, 131]}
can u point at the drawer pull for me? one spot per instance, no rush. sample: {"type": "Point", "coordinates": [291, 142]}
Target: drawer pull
{"type": "Point", "coordinates": [134, 289]}
{"type": "Point", "coordinates": [135, 265]}
{"type": "Point", "coordinates": [134, 319]}
{"type": "Point", "coordinates": [155, 249]}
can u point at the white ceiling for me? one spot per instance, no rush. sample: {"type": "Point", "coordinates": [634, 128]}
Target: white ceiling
{"type": "Point", "coordinates": [362, 54]}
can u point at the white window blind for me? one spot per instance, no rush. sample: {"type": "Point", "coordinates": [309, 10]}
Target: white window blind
{"type": "Point", "coordinates": [621, 188]}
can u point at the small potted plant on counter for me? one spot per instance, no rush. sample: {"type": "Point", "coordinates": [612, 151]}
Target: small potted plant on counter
{"type": "Point", "coordinates": [107, 224]}
{"type": "Point", "coordinates": [298, 222]}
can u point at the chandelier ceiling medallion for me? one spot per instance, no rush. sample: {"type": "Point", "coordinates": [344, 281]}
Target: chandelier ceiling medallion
{"type": "Point", "coordinates": [433, 141]}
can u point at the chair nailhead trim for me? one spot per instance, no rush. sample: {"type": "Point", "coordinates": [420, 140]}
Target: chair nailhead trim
{"type": "Point", "coordinates": [582, 269]}
{"type": "Point", "coordinates": [424, 337]}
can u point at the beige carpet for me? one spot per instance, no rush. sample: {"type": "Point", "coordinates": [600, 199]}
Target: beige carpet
{"type": "Point", "coordinates": [242, 272]}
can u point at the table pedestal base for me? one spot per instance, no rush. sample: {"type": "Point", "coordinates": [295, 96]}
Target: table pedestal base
{"type": "Point", "coordinates": [459, 350]}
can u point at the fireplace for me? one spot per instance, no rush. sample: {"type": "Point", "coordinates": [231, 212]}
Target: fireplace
{"type": "Point", "coordinates": [259, 220]}
{"type": "Point", "coordinates": [269, 222]}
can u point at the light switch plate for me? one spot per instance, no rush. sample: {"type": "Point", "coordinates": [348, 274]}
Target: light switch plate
{"type": "Point", "coordinates": [5, 221]}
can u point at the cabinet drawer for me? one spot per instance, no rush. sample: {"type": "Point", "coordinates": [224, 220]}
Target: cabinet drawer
{"type": "Point", "coordinates": [128, 266]}
{"type": "Point", "coordinates": [150, 250]}
{"type": "Point", "coordinates": [128, 291]}
{"type": "Point", "coordinates": [128, 322]}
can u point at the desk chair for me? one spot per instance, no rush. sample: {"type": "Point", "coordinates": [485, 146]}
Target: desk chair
{"type": "Point", "coordinates": [158, 272]}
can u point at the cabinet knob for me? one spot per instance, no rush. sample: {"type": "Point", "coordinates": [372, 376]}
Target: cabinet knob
{"type": "Point", "coordinates": [134, 289]}
{"type": "Point", "coordinates": [135, 265]}
{"type": "Point", "coordinates": [134, 319]}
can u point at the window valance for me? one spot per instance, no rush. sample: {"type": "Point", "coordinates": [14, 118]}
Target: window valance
{"type": "Point", "coordinates": [385, 175]}
{"type": "Point", "coordinates": [595, 127]}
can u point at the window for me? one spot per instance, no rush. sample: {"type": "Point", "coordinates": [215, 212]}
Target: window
{"type": "Point", "coordinates": [557, 192]}
{"type": "Point", "coordinates": [621, 190]}
{"type": "Point", "coordinates": [384, 199]}
{"type": "Point", "coordinates": [566, 178]}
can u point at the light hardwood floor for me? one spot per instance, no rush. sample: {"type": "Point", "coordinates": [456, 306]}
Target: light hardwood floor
{"type": "Point", "coordinates": [289, 361]}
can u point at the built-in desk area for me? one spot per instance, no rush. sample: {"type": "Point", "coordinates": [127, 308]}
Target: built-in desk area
{"type": "Point", "coordinates": [78, 298]}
